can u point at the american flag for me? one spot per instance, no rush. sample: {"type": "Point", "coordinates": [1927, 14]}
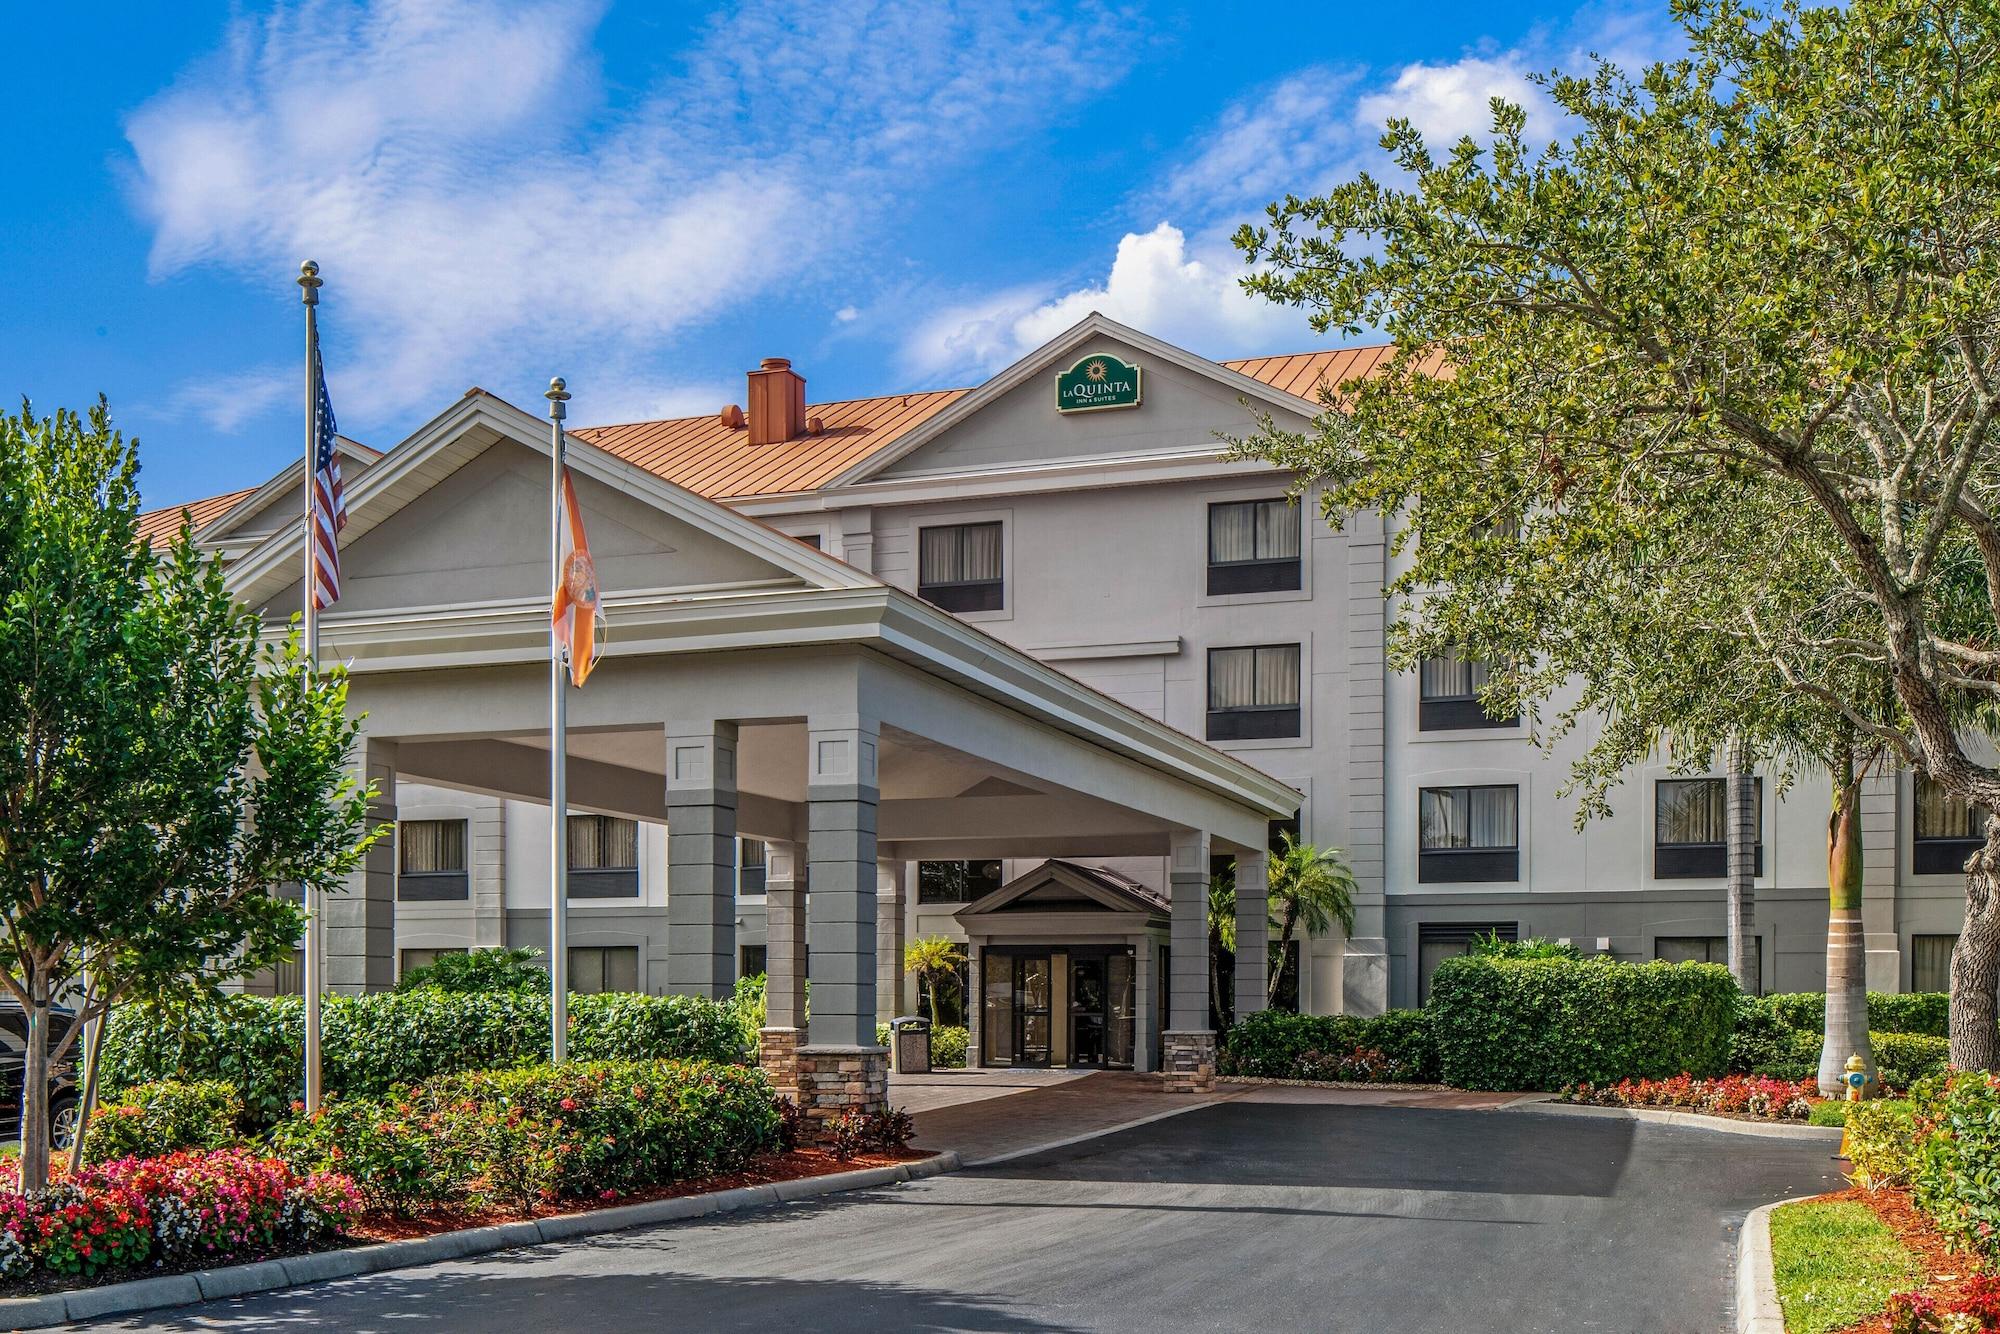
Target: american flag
{"type": "Point", "coordinates": [329, 505]}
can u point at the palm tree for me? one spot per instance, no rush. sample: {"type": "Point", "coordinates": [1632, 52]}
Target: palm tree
{"type": "Point", "coordinates": [1846, 1028]}
{"type": "Point", "coordinates": [1310, 887]}
{"type": "Point", "coordinates": [933, 960]}
{"type": "Point", "coordinates": [1221, 938]}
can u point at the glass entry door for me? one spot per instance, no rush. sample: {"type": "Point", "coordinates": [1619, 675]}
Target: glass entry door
{"type": "Point", "coordinates": [1096, 1007]}
{"type": "Point", "coordinates": [1017, 1019]}
{"type": "Point", "coordinates": [1087, 1002]}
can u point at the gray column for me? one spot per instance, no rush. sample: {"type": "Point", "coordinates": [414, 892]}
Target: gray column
{"type": "Point", "coordinates": [785, 937]}
{"type": "Point", "coordinates": [1881, 848]}
{"type": "Point", "coordinates": [488, 857]}
{"type": "Point", "coordinates": [1146, 1016]}
{"type": "Point", "coordinates": [1365, 967]}
{"type": "Point", "coordinates": [360, 917]}
{"type": "Point", "coordinates": [701, 858]}
{"type": "Point", "coordinates": [975, 1004]}
{"type": "Point", "coordinates": [842, 793]}
{"type": "Point", "coordinates": [890, 937]}
{"type": "Point", "coordinates": [1187, 984]}
{"type": "Point", "coordinates": [1253, 932]}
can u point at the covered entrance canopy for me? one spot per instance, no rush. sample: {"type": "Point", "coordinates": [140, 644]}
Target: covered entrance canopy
{"type": "Point", "coordinates": [750, 686]}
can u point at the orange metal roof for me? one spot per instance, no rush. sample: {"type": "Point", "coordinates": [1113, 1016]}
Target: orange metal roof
{"type": "Point", "coordinates": [160, 525]}
{"type": "Point", "coordinates": [717, 461]}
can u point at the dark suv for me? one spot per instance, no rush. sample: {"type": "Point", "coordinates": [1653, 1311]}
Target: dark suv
{"type": "Point", "coordinates": [13, 1065]}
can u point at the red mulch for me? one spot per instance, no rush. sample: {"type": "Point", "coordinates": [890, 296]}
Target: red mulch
{"type": "Point", "coordinates": [762, 1170]}
{"type": "Point", "coordinates": [1947, 1270]}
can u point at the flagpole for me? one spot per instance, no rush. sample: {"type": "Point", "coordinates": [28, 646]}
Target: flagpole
{"type": "Point", "coordinates": [558, 395]}
{"type": "Point", "coordinates": [309, 285]}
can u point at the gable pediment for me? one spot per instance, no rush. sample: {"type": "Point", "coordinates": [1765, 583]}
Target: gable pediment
{"type": "Point", "coordinates": [1185, 404]}
{"type": "Point", "coordinates": [1058, 886]}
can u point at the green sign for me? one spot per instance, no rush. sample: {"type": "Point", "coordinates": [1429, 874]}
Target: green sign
{"type": "Point", "coordinates": [1098, 381]}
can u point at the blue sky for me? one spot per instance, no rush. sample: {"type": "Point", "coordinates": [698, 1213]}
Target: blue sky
{"type": "Point", "coordinates": [648, 198]}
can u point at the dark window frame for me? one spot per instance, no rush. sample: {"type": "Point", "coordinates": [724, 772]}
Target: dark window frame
{"type": "Point", "coordinates": [1705, 860]}
{"type": "Point", "coordinates": [964, 595]}
{"type": "Point", "coordinates": [1935, 854]}
{"type": "Point", "coordinates": [972, 886]}
{"type": "Point", "coordinates": [1455, 713]}
{"type": "Point", "coordinates": [446, 886]}
{"type": "Point", "coordinates": [1479, 864]}
{"type": "Point", "coordinates": [605, 952]}
{"type": "Point", "coordinates": [1259, 574]}
{"type": "Point", "coordinates": [603, 882]}
{"type": "Point", "coordinates": [1257, 722]}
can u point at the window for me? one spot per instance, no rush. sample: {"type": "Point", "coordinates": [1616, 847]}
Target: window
{"type": "Point", "coordinates": [1691, 828]}
{"type": "Point", "coordinates": [603, 857]}
{"type": "Point", "coordinates": [751, 960]}
{"type": "Point", "coordinates": [595, 968]}
{"type": "Point", "coordinates": [431, 860]}
{"type": "Point", "coordinates": [1930, 962]}
{"type": "Point", "coordinates": [1709, 949]}
{"type": "Point", "coordinates": [1948, 830]}
{"type": "Point", "coordinates": [1253, 547]}
{"type": "Point", "coordinates": [1468, 834]}
{"type": "Point", "coordinates": [1438, 941]}
{"type": "Point", "coordinates": [810, 539]}
{"type": "Point", "coordinates": [1253, 693]}
{"type": "Point", "coordinates": [407, 962]}
{"type": "Point", "coordinates": [1448, 689]}
{"type": "Point", "coordinates": [956, 882]}
{"type": "Point", "coordinates": [749, 866]}
{"type": "Point", "coordinates": [959, 567]}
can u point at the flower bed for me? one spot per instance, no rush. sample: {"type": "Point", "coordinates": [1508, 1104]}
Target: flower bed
{"type": "Point", "coordinates": [1752, 1096]}
{"type": "Point", "coordinates": [191, 1208]}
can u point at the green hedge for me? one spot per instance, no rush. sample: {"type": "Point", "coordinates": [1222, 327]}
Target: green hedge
{"type": "Point", "coordinates": [1396, 1047]}
{"type": "Point", "coordinates": [375, 1044]}
{"type": "Point", "coordinates": [152, 1120]}
{"type": "Point", "coordinates": [1943, 1145]}
{"type": "Point", "coordinates": [1549, 1023]}
{"type": "Point", "coordinates": [1926, 1012]}
{"type": "Point", "coordinates": [517, 1138]}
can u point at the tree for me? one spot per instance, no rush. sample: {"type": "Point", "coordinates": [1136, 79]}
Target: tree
{"type": "Point", "coordinates": [1221, 909]}
{"type": "Point", "coordinates": [1846, 1023]}
{"type": "Point", "coordinates": [158, 775]}
{"type": "Point", "coordinates": [933, 961]}
{"type": "Point", "coordinates": [1310, 887]}
{"type": "Point", "coordinates": [1741, 328]}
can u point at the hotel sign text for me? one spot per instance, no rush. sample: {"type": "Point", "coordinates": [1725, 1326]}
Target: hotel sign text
{"type": "Point", "coordinates": [1098, 381]}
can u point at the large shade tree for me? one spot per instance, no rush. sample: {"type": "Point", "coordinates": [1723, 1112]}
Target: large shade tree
{"type": "Point", "coordinates": [159, 773]}
{"type": "Point", "coordinates": [1739, 326]}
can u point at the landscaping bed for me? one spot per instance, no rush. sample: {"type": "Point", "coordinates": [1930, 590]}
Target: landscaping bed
{"type": "Point", "coordinates": [1861, 1261]}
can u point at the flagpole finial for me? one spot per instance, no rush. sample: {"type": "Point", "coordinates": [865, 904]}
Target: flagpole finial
{"type": "Point", "coordinates": [309, 283]}
{"type": "Point", "coordinates": [557, 396]}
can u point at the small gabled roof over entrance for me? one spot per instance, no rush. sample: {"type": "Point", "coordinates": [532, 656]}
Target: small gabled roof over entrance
{"type": "Point", "coordinates": [1064, 886]}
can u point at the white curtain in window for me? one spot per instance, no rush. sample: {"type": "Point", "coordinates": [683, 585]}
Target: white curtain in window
{"type": "Point", "coordinates": [1941, 815]}
{"type": "Point", "coordinates": [432, 845]}
{"type": "Point", "coordinates": [982, 551]}
{"type": "Point", "coordinates": [1232, 532]}
{"type": "Point", "coordinates": [1692, 810]}
{"type": "Point", "coordinates": [1493, 817]}
{"type": "Point", "coordinates": [1278, 675]}
{"type": "Point", "coordinates": [1441, 817]}
{"type": "Point", "coordinates": [1232, 678]}
{"type": "Point", "coordinates": [959, 553]}
{"type": "Point", "coordinates": [1277, 530]}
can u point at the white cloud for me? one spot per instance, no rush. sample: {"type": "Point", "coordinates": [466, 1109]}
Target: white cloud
{"type": "Point", "coordinates": [627, 400]}
{"type": "Point", "coordinates": [847, 315]}
{"type": "Point", "coordinates": [480, 209]}
{"type": "Point", "coordinates": [227, 402]}
{"type": "Point", "coordinates": [1448, 102]}
{"type": "Point", "coordinates": [1155, 284]}
{"type": "Point", "coordinates": [1283, 139]}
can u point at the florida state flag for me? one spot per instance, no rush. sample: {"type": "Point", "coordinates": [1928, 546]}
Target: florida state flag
{"type": "Point", "coordinates": [576, 608]}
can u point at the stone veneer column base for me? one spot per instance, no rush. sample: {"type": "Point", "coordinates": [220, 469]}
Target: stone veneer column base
{"type": "Point", "coordinates": [778, 1058]}
{"type": "Point", "coordinates": [836, 1079]}
{"type": "Point", "coordinates": [1188, 1062]}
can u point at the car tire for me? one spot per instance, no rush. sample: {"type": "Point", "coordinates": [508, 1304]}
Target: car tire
{"type": "Point", "coordinates": [62, 1123]}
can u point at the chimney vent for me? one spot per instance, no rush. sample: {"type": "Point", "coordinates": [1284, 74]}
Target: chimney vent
{"type": "Point", "coordinates": [777, 402]}
{"type": "Point", "coordinates": [731, 416]}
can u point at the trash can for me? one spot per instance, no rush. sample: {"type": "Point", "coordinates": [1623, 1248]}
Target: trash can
{"type": "Point", "coordinates": [910, 1045]}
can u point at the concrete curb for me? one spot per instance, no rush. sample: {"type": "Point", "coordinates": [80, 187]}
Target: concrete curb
{"type": "Point", "coordinates": [152, 1294]}
{"type": "Point", "coordinates": [1690, 1120]}
{"type": "Point", "coordinates": [1757, 1309]}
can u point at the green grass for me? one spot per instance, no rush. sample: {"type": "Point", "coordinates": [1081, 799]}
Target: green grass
{"type": "Point", "coordinates": [1835, 1263]}
{"type": "Point", "coordinates": [1833, 1112]}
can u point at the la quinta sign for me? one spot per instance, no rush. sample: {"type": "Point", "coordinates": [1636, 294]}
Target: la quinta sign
{"type": "Point", "coordinates": [1098, 381]}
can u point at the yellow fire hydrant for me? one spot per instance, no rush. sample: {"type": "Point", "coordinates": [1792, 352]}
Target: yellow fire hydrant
{"type": "Point", "coordinates": [1857, 1080]}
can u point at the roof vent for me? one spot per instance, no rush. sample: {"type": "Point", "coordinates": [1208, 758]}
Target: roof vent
{"type": "Point", "coordinates": [731, 417]}
{"type": "Point", "coordinates": [777, 402]}
{"type": "Point", "coordinates": [814, 426]}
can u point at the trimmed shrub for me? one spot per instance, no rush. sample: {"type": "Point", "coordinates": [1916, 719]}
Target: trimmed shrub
{"type": "Point", "coordinates": [500, 969]}
{"type": "Point", "coordinates": [1901, 1059]}
{"type": "Point", "coordinates": [518, 1137]}
{"type": "Point", "coordinates": [948, 1047]}
{"type": "Point", "coordinates": [1957, 1142]}
{"type": "Point", "coordinates": [150, 1120]}
{"type": "Point", "coordinates": [1926, 1012]}
{"type": "Point", "coordinates": [1550, 1023]}
{"type": "Point", "coordinates": [1881, 1141]}
{"type": "Point", "coordinates": [1395, 1047]}
{"type": "Point", "coordinates": [376, 1044]}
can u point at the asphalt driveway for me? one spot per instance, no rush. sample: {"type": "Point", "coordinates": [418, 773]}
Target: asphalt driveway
{"type": "Point", "coordinates": [1247, 1215]}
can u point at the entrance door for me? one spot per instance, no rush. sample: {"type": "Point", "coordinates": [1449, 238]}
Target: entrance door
{"type": "Point", "coordinates": [1032, 978]}
{"type": "Point", "coordinates": [1088, 1000]}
